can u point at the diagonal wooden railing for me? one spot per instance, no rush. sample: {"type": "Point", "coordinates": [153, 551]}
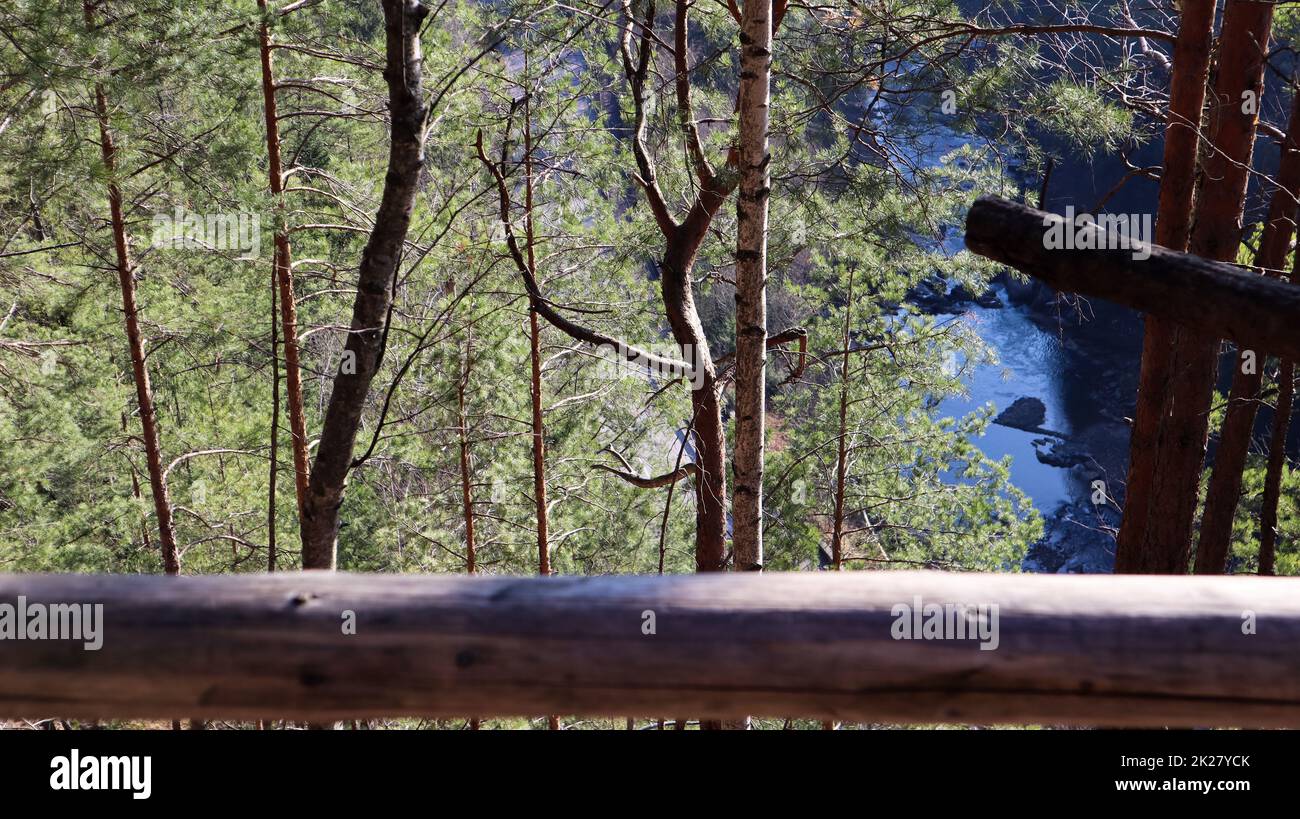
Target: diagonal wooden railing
{"type": "Point", "coordinates": [1086, 650]}
{"type": "Point", "coordinates": [1213, 297]}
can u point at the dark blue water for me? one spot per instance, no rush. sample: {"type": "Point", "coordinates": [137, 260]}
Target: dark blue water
{"type": "Point", "coordinates": [1030, 363]}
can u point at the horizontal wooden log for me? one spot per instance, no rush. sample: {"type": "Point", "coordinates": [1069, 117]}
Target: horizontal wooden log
{"type": "Point", "coordinates": [1222, 300]}
{"type": "Point", "coordinates": [1101, 650]}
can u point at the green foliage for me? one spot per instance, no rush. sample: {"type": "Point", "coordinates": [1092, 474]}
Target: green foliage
{"type": "Point", "coordinates": [1093, 123]}
{"type": "Point", "coordinates": [1245, 533]}
{"type": "Point", "coordinates": [871, 178]}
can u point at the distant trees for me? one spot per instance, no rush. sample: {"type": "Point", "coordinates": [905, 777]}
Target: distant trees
{"type": "Point", "coordinates": [839, 498]}
{"type": "Point", "coordinates": [435, 310]}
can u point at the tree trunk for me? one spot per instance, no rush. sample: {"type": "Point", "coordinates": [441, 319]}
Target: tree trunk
{"type": "Point", "coordinates": [273, 477]}
{"type": "Point", "coordinates": [535, 351]}
{"type": "Point", "coordinates": [1173, 224]}
{"type": "Point", "coordinates": [535, 359]}
{"type": "Point", "coordinates": [751, 283]}
{"type": "Point", "coordinates": [284, 275]}
{"type": "Point", "coordinates": [842, 441]}
{"type": "Point", "coordinates": [130, 312]}
{"type": "Point", "coordinates": [466, 483]}
{"type": "Point", "coordinates": [539, 446]}
{"type": "Point", "coordinates": [466, 479]}
{"type": "Point", "coordinates": [710, 438]}
{"type": "Point", "coordinates": [1276, 460]}
{"type": "Point", "coordinates": [682, 242]}
{"type": "Point", "coordinates": [363, 352]}
{"type": "Point", "coordinates": [1243, 399]}
{"type": "Point", "coordinates": [1184, 427]}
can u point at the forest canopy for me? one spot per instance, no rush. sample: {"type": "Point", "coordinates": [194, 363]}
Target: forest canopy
{"type": "Point", "coordinates": [393, 287]}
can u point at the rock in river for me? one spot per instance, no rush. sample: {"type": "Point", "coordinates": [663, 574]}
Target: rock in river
{"type": "Point", "coordinates": [1024, 413]}
{"type": "Point", "coordinates": [1064, 454]}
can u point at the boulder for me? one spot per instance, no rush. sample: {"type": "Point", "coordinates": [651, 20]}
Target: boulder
{"type": "Point", "coordinates": [1024, 413]}
{"type": "Point", "coordinates": [1064, 454]}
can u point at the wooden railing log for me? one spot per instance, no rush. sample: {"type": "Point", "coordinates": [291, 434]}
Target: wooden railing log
{"type": "Point", "coordinates": [1088, 650]}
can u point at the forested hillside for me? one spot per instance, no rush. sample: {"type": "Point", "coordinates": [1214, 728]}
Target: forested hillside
{"type": "Point", "coordinates": [625, 287]}
{"type": "Point", "coordinates": [440, 477]}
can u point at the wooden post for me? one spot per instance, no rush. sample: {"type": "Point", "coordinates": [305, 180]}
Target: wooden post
{"type": "Point", "coordinates": [1100, 650]}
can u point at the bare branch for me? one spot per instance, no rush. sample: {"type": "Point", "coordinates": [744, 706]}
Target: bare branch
{"type": "Point", "coordinates": [652, 483]}
{"type": "Point", "coordinates": [685, 108]}
{"type": "Point", "coordinates": [667, 367]}
{"type": "Point", "coordinates": [635, 67]}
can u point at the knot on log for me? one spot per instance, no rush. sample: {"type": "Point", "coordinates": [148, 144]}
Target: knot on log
{"type": "Point", "coordinates": [301, 599]}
